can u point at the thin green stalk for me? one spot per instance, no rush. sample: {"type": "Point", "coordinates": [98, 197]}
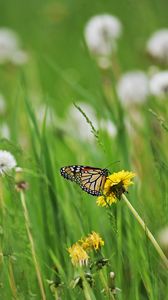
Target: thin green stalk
{"type": "Point", "coordinates": [12, 280]}
{"type": "Point", "coordinates": [36, 265]}
{"type": "Point", "coordinates": [147, 231]}
{"type": "Point", "coordinates": [119, 245]}
{"type": "Point", "coordinates": [86, 291]}
{"type": "Point", "coordinates": [106, 287]}
{"type": "Point", "coordinates": [2, 207]}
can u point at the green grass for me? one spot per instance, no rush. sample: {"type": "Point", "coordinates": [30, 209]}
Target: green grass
{"type": "Point", "coordinates": [60, 71]}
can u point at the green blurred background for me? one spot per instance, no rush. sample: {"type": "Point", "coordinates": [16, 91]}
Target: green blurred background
{"type": "Point", "coordinates": [61, 71]}
{"type": "Point", "coordinates": [54, 30]}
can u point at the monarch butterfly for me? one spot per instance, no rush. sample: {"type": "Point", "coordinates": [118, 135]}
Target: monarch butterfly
{"type": "Point", "coordinates": [90, 179]}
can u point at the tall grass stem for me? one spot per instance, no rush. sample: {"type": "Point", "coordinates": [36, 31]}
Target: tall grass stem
{"type": "Point", "coordinates": [147, 231]}
{"type": "Point", "coordinates": [106, 287]}
{"type": "Point", "coordinates": [37, 268]}
{"type": "Point", "coordinates": [12, 280]}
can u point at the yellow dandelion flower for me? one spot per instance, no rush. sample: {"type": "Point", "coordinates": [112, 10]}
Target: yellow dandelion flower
{"type": "Point", "coordinates": [116, 184]}
{"type": "Point", "coordinates": [78, 255]}
{"type": "Point", "coordinates": [93, 241]}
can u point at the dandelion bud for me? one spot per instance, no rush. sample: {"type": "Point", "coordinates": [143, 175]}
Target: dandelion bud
{"type": "Point", "coordinates": [21, 186]}
{"type": "Point", "coordinates": [111, 281]}
{"type": "Point", "coordinates": [20, 183]}
{"type": "Point", "coordinates": [112, 275]}
{"type": "Point", "coordinates": [163, 238]}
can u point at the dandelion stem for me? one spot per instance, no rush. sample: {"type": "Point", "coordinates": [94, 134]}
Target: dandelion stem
{"type": "Point", "coordinates": [106, 287]}
{"type": "Point", "coordinates": [12, 280]}
{"type": "Point", "coordinates": [1, 198]}
{"type": "Point", "coordinates": [147, 231]}
{"type": "Point", "coordinates": [56, 295]}
{"type": "Point", "coordinates": [27, 223]}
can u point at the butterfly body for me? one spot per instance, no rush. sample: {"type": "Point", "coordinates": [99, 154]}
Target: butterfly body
{"type": "Point", "coordinates": [90, 179]}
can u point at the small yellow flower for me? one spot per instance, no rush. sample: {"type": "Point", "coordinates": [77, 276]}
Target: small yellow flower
{"type": "Point", "coordinates": [78, 255]}
{"type": "Point", "coordinates": [116, 184]}
{"type": "Point", "coordinates": [93, 241]}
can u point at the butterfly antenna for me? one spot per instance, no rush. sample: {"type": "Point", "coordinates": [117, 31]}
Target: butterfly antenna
{"type": "Point", "coordinates": [115, 162]}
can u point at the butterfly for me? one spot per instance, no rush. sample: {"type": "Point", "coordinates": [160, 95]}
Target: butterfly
{"type": "Point", "coordinates": [90, 179]}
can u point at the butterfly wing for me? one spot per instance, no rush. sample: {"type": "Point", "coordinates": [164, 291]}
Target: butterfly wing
{"type": "Point", "coordinates": [72, 173]}
{"type": "Point", "coordinates": [90, 179]}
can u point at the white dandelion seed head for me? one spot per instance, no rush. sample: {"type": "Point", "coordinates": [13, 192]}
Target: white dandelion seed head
{"type": "Point", "coordinates": [158, 85]}
{"type": "Point", "coordinates": [76, 123]}
{"type": "Point", "coordinates": [2, 105]}
{"type": "Point", "coordinates": [157, 45]}
{"type": "Point", "coordinates": [109, 127]}
{"type": "Point", "coordinates": [7, 162]}
{"type": "Point", "coordinates": [133, 88]}
{"type": "Point", "coordinates": [10, 47]}
{"type": "Point", "coordinates": [101, 32]}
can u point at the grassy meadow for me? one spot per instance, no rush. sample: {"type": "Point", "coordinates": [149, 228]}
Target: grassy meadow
{"type": "Point", "coordinates": [39, 224]}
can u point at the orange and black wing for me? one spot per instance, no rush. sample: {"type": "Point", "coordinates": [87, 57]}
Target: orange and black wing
{"type": "Point", "coordinates": [90, 179]}
{"type": "Point", "coordinates": [72, 173]}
